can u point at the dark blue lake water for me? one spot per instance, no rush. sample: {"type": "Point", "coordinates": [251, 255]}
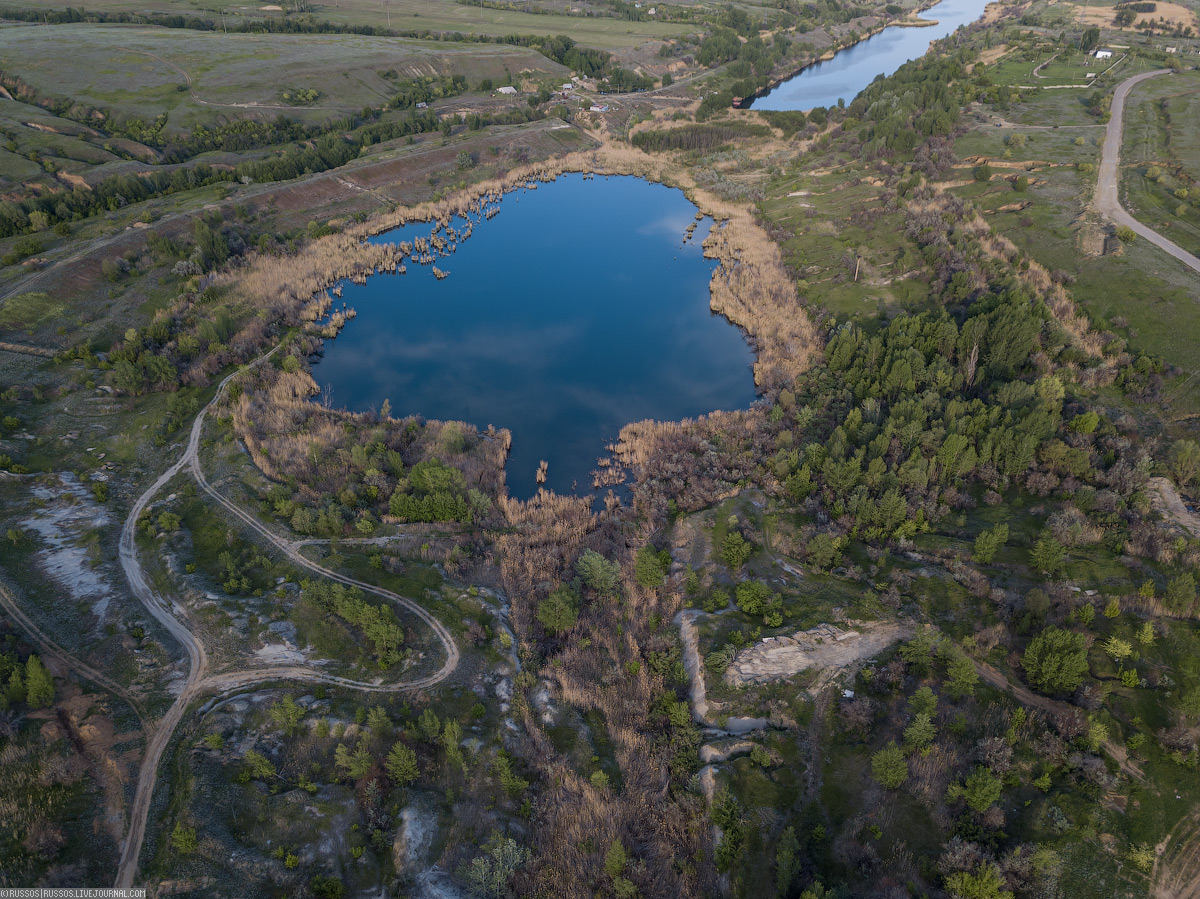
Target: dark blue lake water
{"type": "Point", "coordinates": [577, 309]}
{"type": "Point", "coordinates": [849, 71]}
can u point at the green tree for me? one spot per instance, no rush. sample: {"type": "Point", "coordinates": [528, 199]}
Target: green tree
{"type": "Point", "coordinates": [286, 715]}
{"type": "Point", "coordinates": [1056, 660]}
{"type": "Point", "coordinates": [402, 765]}
{"type": "Point", "coordinates": [889, 767]}
{"type": "Point", "coordinates": [558, 612]}
{"type": "Point", "coordinates": [379, 722]}
{"type": "Point", "coordinates": [598, 573]}
{"type": "Point", "coordinates": [184, 840]}
{"type": "Point", "coordinates": [1181, 593]}
{"type": "Point", "coordinates": [615, 859]}
{"type": "Point", "coordinates": [1047, 555]}
{"type": "Point", "coordinates": [985, 882]}
{"type": "Point", "coordinates": [923, 702]}
{"type": "Point", "coordinates": [430, 726]}
{"type": "Point", "coordinates": [258, 766]}
{"type": "Point", "coordinates": [356, 764]}
{"type": "Point", "coordinates": [1185, 461]}
{"type": "Point", "coordinates": [736, 550]}
{"type": "Point", "coordinates": [787, 862]}
{"type": "Point", "coordinates": [326, 886]}
{"type": "Point", "coordinates": [488, 874]}
{"type": "Point", "coordinates": [921, 733]}
{"type": "Point", "coordinates": [988, 543]}
{"type": "Point", "coordinates": [650, 566]}
{"type": "Point", "coordinates": [825, 552]}
{"type": "Point", "coordinates": [1118, 649]}
{"type": "Point", "coordinates": [961, 676]}
{"type": "Point", "coordinates": [980, 790]}
{"type": "Point", "coordinates": [39, 686]}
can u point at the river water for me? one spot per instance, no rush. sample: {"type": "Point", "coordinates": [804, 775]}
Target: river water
{"type": "Point", "coordinates": [849, 71]}
{"type": "Point", "coordinates": [577, 309]}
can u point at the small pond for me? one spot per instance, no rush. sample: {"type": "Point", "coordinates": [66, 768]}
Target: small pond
{"type": "Point", "coordinates": [581, 306]}
{"type": "Point", "coordinates": [849, 71]}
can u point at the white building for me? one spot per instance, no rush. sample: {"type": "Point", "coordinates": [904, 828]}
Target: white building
{"type": "Point", "coordinates": [1103, 54]}
{"type": "Point", "coordinates": [508, 89]}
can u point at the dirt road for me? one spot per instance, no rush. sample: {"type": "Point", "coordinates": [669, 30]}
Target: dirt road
{"type": "Point", "coordinates": [1107, 197]}
{"type": "Point", "coordinates": [169, 614]}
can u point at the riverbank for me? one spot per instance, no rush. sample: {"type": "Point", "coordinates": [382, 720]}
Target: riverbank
{"type": "Point", "coordinates": [910, 22]}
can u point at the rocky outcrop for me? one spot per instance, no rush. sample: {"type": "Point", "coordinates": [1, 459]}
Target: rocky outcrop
{"type": "Point", "coordinates": [824, 646]}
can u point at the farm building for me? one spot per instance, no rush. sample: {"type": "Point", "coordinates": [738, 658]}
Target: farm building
{"type": "Point", "coordinates": [507, 89]}
{"type": "Point", "coordinates": [1104, 54]}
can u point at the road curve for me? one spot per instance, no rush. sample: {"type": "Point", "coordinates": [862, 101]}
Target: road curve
{"type": "Point", "coordinates": [196, 682]}
{"type": "Point", "coordinates": [50, 649]}
{"type": "Point", "coordinates": [1107, 198]}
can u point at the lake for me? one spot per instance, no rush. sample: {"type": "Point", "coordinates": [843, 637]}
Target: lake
{"type": "Point", "coordinates": [582, 306]}
{"type": "Point", "coordinates": [850, 70]}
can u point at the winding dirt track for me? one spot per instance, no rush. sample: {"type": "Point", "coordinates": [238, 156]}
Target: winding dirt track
{"type": "Point", "coordinates": [1107, 198]}
{"type": "Point", "coordinates": [169, 614]}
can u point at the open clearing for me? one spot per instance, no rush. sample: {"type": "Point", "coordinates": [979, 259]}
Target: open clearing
{"type": "Point", "coordinates": [144, 72]}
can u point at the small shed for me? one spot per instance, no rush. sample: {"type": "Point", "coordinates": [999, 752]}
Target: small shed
{"type": "Point", "coordinates": [509, 89]}
{"type": "Point", "coordinates": [1104, 54]}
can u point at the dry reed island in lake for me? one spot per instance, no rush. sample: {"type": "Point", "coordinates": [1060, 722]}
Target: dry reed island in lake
{"type": "Point", "coordinates": [916, 616]}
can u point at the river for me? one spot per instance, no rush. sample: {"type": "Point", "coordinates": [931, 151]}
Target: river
{"type": "Point", "coordinates": [582, 306]}
{"type": "Point", "coordinates": [845, 75]}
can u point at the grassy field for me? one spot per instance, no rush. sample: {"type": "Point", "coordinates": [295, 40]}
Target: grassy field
{"type": "Point", "coordinates": [1161, 155]}
{"type": "Point", "coordinates": [850, 253]}
{"type": "Point", "coordinates": [1140, 294]}
{"type": "Point", "coordinates": [1052, 67]}
{"type": "Point", "coordinates": [198, 77]}
{"type": "Point", "coordinates": [435, 15]}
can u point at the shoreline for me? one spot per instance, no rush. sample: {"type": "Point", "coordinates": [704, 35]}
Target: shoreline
{"type": "Point", "coordinates": [748, 102]}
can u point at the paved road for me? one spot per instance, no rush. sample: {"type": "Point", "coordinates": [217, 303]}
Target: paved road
{"type": "Point", "coordinates": [169, 614]}
{"type": "Point", "coordinates": [1107, 198]}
